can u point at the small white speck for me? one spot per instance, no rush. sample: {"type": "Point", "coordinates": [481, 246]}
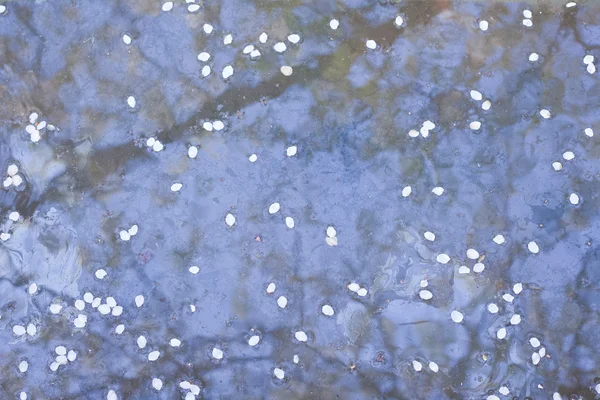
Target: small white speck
{"type": "Point", "coordinates": [254, 340]}
{"type": "Point", "coordinates": [353, 287]}
{"type": "Point", "coordinates": [327, 310]}
{"type": "Point", "coordinates": [131, 101]}
{"type": "Point", "coordinates": [175, 342]}
{"type": "Point", "coordinates": [167, 6]}
{"type": "Point", "coordinates": [476, 95]}
{"type": "Point", "coordinates": [425, 294]}
{"type": "Point", "coordinates": [535, 358]}
{"type": "Point", "coordinates": [413, 133]}
{"type": "Point", "coordinates": [515, 319]}
{"type": "Point", "coordinates": [153, 355]}
{"type": "Point", "coordinates": [227, 39]}
{"type": "Point", "coordinates": [301, 336]}
{"type": "Point", "coordinates": [406, 191]}
{"type": "Point", "coordinates": [429, 236]}
{"type": "Point", "coordinates": [493, 308]}
{"type": "Point", "coordinates": [193, 7]}
{"type": "Point", "coordinates": [591, 69]}
{"type": "Point", "coordinates": [291, 151]}
{"type": "Point", "coordinates": [14, 216]}
{"type": "Point", "coordinates": [574, 198]}
{"type": "Point", "coordinates": [293, 38]}
{"type": "Point", "coordinates": [331, 232]}
{"type": "Point", "coordinates": [2, 8]}
{"type": "Point", "coordinates": [527, 14]}
{"type": "Point", "coordinates": [438, 190]}
{"type": "Point", "coordinates": [509, 298]}
{"type": "Point", "coordinates": [271, 288]}
{"type": "Point", "coordinates": [133, 230]}
{"type": "Point", "coordinates": [12, 170]}
{"type": "Point", "coordinates": [371, 44]}
{"type": "Point", "coordinates": [111, 393]}
{"type": "Point", "coordinates": [23, 366]}
{"type": "Point", "coordinates": [254, 54]}
{"type": "Point", "coordinates": [263, 37]}
{"type": "Point", "coordinates": [117, 310]}
{"type": "Point", "coordinates": [289, 222]}
{"type": "Point", "coordinates": [556, 166]}
{"type": "Point", "coordinates": [217, 353]}
{"type": "Point", "coordinates": [248, 49]}
{"type": "Point", "coordinates": [4, 236]}
{"type": "Point", "coordinates": [157, 384]}
{"type": "Point", "coordinates": [486, 105]}
{"type": "Point", "coordinates": [443, 258]}
{"type": "Point", "coordinates": [176, 187]}
{"type": "Point", "coordinates": [478, 268]}
{"type": "Point", "coordinates": [230, 220]}
{"type": "Point", "coordinates": [456, 316]}
{"type": "Point", "coordinates": [150, 142]}
{"type": "Point", "coordinates": [535, 342]}
{"type": "Point", "coordinates": [492, 397]}
{"type": "Point", "coordinates": [282, 301]}
{"type": "Point", "coordinates": [296, 359]}
{"type": "Point", "coordinates": [417, 365]}
{"type": "Point", "coordinates": [207, 28]}
{"type": "Point", "coordinates": [88, 297]}
{"type": "Point", "coordinates": [80, 304]}
{"type": "Point", "coordinates": [205, 71]}
{"type": "Point", "coordinates": [97, 301]}
{"type": "Point", "coordinates": [463, 270]}
{"type": "Point", "coordinates": [55, 308]}
{"type": "Point", "coordinates": [126, 39]}
{"type": "Point", "coordinates": [518, 288]}
{"type": "Point", "coordinates": [139, 300]}
{"type": "Point", "coordinates": [588, 59]}
{"type": "Point", "coordinates": [274, 208]}
{"type": "Point", "coordinates": [545, 113]}
{"type": "Point", "coordinates": [280, 47]}
{"type": "Point", "coordinates": [472, 254]}
{"type": "Point", "coordinates": [101, 273]}
{"type": "Point", "coordinates": [334, 24]}
{"type": "Point", "coordinates": [483, 25]}
{"type": "Point", "coordinates": [253, 158]}
{"type": "Point", "coordinates": [499, 239]}
{"type": "Point", "coordinates": [208, 126]}
{"type": "Point", "coordinates": [589, 132]}
{"type": "Point", "coordinates": [568, 155]}
{"type": "Point", "coordinates": [194, 269]}
{"type": "Point", "coordinates": [227, 72]}
{"type": "Point", "coordinates": [124, 235]}
{"type": "Point", "coordinates": [424, 283]}
{"type": "Point", "coordinates": [501, 334]}
{"type": "Point", "coordinates": [141, 342]}
{"type": "Point", "coordinates": [111, 302]}
{"type": "Point", "coordinates": [204, 56]}
{"type": "Point", "coordinates": [17, 180]}
{"type": "Point", "coordinates": [504, 391]}
{"type": "Point", "coordinates": [19, 330]}
{"type": "Point", "coordinates": [527, 22]}
{"type": "Point", "coordinates": [533, 57]}
{"type": "Point", "coordinates": [31, 329]}
{"type": "Point", "coordinates": [32, 289]}
{"type": "Point", "coordinates": [286, 70]}
{"type": "Point", "coordinates": [433, 366]}
{"type": "Point", "coordinates": [398, 21]}
{"type": "Point", "coordinates": [192, 152]}
{"type": "Point", "coordinates": [569, 5]}
{"type": "Point", "coordinates": [279, 373]}
{"type": "Point", "coordinates": [429, 125]}
{"type": "Point", "coordinates": [533, 247]}
{"type": "Point", "coordinates": [120, 329]}
{"type": "Point", "coordinates": [542, 352]}
{"type": "Point", "coordinates": [475, 125]}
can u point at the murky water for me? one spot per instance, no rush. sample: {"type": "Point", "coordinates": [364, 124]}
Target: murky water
{"type": "Point", "coordinates": [146, 234]}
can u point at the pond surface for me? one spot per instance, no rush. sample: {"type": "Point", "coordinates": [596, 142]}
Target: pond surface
{"type": "Point", "coordinates": [377, 200]}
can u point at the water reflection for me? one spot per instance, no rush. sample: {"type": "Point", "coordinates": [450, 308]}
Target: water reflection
{"type": "Point", "coordinates": [348, 108]}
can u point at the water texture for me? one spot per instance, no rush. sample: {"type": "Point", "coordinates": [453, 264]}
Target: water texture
{"type": "Point", "coordinates": [408, 212]}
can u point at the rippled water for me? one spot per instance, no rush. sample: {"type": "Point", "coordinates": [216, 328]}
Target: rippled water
{"type": "Point", "coordinates": [348, 107]}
